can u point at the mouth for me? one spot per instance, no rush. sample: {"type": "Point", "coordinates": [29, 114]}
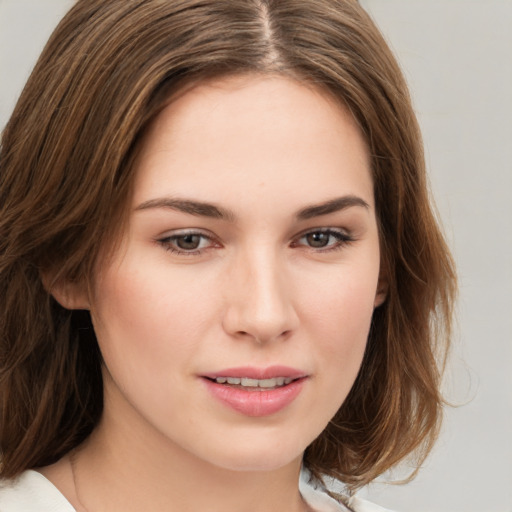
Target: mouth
{"type": "Point", "coordinates": [253, 384]}
{"type": "Point", "coordinates": [256, 392]}
{"type": "Point", "coordinates": [251, 378]}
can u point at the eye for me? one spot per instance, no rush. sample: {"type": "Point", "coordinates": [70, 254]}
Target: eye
{"type": "Point", "coordinates": [186, 243]}
{"type": "Point", "coordinates": [324, 239]}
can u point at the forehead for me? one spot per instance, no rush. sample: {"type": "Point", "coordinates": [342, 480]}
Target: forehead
{"type": "Point", "coordinates": [253, 132]}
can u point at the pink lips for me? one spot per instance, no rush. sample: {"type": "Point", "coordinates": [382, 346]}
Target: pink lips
{"type": "Point", "coordinates": [256, 402]}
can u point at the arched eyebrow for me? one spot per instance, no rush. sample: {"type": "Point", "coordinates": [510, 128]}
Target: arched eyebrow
{"type": "Point", "coordinates": [331, 206]}
{"type": "Point", "coordinates": [192, 207]}
{"type": "Point", "coordinates": [203, 209]}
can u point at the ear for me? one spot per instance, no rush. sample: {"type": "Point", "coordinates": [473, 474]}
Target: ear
{"type": "Point", "coordinates": [382, 290]}
{"type": "Point", "coordinates": [69, 294]}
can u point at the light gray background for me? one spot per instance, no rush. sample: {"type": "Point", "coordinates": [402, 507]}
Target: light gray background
{"type": "Point", "coordinates": [457, 56]}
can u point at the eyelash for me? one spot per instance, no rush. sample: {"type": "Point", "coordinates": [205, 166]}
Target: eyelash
{"type": "Point", "coordinates": [342, 240]}
{"type": "Point", "coordinates": [341, 237]}
{"type": "Point", "coordinates": [169, 242]}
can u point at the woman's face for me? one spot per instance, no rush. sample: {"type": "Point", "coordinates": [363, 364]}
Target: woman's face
{"type": "Point", "coordinates": [234, 318]}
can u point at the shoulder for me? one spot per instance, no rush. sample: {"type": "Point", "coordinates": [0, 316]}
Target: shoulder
{"type": "Point", "coordinates": [318, 499]}
{"type": "Point", "coordinates": [360, 505]}
{"type": "Point", "coordinates": [31, 492]}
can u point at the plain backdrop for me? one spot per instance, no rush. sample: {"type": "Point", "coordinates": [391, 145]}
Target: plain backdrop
{"type": "Point", "coordinates": [457, 57]}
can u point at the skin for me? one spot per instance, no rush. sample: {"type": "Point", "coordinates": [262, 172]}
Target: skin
{"type": "Point", "coordinates": [265, 285]}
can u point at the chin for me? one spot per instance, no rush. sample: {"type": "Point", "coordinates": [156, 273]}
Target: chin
{"type": "Point", "coordinates": [252, 455]}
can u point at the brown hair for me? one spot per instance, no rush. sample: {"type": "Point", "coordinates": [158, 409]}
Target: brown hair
{"type": "Point", "coordinates": [66, 169]}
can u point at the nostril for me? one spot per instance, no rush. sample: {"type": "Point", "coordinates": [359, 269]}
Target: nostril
{"type": "Point", "coordinates": [259, 317]}
{"type": "Point", "coordinates": [262, 338]}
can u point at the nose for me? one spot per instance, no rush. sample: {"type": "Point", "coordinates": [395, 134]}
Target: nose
{"type": "Point", "coordinates": [259, 299]}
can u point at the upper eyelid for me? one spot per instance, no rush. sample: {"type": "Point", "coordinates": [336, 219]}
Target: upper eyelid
{"type": "Point", "coordinates": [170, 238]}
{"type": "Point", "coordinates": [185, 232]}
{"type": "Point", "coordinates": [326, 229]}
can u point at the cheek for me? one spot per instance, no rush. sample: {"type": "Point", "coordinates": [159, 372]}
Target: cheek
{"type": "Point", "coordinates": [343, 301]}
{"type": "Point", "coordinates": [146, 318]}
{"type": "Point", "coordinates": [343, 336]}
{"type": "Point", "coordinates": [338, 317]}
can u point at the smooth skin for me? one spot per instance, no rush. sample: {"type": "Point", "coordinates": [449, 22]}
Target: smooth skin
{"type": "Point", "coordinates": [252, 241]}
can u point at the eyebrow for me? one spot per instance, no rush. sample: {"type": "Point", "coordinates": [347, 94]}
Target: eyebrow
{"type": "Point", "coordinates": [203, 209]}
{"type": "Point", "coordinates": [331, 206]}
{"type": "Point", "coordinates": [191, 207]}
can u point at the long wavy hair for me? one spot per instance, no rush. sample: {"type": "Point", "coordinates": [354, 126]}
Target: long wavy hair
{"type": "Point", "coordinates": [66, 173]}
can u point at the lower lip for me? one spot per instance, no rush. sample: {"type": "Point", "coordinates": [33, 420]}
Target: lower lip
{"type": "Point", "coordinates": [255, 403]}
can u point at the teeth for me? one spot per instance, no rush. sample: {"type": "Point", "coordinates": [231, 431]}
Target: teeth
{"type": "Point", "coordinates": [249, 382]}
{"type": "Point", "coordinates": [269, 383]}
{"type": "Point", "coordinates": [254, 383]}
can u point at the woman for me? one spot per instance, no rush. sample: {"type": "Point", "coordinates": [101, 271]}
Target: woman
{"type": "Point", "coordinates": [219, 264]}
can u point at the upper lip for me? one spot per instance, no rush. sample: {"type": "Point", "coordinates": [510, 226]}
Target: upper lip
{"type": "Point", "coordinates": [250, 372]}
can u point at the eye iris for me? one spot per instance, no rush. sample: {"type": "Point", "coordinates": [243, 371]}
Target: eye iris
{"type": "Point", "coordinates": [318, 239]}
{"type": "Point", "coordinates": [188, 242]}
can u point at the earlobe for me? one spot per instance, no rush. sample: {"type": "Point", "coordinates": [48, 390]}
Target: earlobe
{"type": "Point", "coordinates": [69, 294]}
{"type": "Point", "coordinates": [382, 292]}
{"type": "Point", "coordinates": [380, 298]}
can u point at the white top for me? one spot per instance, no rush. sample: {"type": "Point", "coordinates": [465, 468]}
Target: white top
{"type": "Point", "coordinates": [32, 492]}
